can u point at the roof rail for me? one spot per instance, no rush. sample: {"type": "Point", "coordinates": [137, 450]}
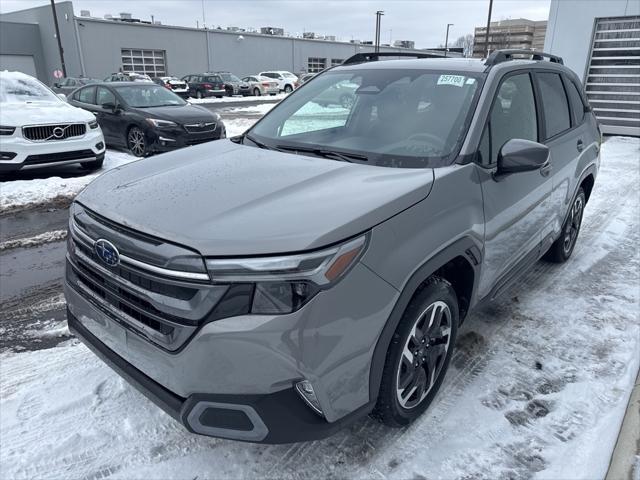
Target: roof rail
{"type": "Point", "coordinates": [375, 56]}
{"type": "Point", "coordinates": [499, 56]}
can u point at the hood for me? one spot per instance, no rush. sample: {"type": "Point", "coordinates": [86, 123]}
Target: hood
{"type": "Point", "coordinates": [30, 113]}
{"type": "Point", "coordinates": [180, 114]}
{"type": "Point", "coordinates": [222, 198]}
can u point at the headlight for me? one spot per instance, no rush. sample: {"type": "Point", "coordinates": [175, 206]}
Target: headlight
{"type": "Point", "coordinates": [156, 122]}
{"type": "Point", "coordinates": [283, 284]}
{"type": "Point", "coordinates": [93, 124]}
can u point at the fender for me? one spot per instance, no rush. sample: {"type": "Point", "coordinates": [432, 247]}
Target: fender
{"type": "Point", "coordinates": [465, 248]}
{"type": "Point", "coordinates": [589, 170]}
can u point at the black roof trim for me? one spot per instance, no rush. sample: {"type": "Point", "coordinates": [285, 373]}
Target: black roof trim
{"type": "Point", "coordinates": [375, 56]}
{"type": "Point", "coordinates": [505, 55]}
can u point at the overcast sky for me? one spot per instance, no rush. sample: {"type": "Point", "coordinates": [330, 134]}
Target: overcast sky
{"type": "Point", "coordinates": [423, 21]}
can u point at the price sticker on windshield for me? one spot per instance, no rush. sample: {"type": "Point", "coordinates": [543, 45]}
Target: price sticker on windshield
{"type": "Point", "coordinates": [457, 80]}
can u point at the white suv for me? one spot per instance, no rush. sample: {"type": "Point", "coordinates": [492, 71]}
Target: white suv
{"type": "Point", "coordinates": [39, 129]}
{"type": "Point", "coordinates": [287, 81]}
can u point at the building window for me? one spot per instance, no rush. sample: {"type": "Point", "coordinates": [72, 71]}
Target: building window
{"type": "Point", "coordinates": [150, 62]}
{"type": "Point", "coordinates": [316, 65]}
{"type": "Point", "coordinates": [336, 61]}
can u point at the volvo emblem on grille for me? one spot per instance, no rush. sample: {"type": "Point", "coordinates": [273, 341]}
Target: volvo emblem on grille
{"type": "Point", "coordinates": [107, 252]}
{"type": "Point", "coordinates": [58, 132]}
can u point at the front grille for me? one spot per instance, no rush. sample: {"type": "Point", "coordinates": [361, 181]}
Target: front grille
{"type": "Point", "coordinates": [175, 86]}
{"type": "Point", "coordinates": [200, 127]}
{"type": "Point", "coordinates": [61, 131]}
{"type": "Point", "coordinates": [59, 157]}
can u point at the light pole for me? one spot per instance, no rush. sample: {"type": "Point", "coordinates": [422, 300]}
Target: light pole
{"type": "Point", "coordinates": [60, 50]}
{"type": "Point", "coordinates": [446, 39]}
{"type": "Point", "coordinates": [486, 36]}
{"type": "Point", "coordinates": [379, 14]}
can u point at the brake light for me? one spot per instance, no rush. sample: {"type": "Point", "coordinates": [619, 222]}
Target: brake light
{"type": "Point", "coordinates": [265, 84]}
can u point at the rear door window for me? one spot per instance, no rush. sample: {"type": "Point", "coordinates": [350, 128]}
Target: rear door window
{"type": "Point", "coordinates": [87, 95]}
{"type": "Point", "coordinates": [555, 104]}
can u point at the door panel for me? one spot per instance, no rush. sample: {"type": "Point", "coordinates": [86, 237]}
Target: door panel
{"type": "Point", "coordinates": [108, 120]}
{"type": "Point", "coordinates": [516, 206]}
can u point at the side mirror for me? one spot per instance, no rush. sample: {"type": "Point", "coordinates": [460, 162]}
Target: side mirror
{"type": "Point", "coordinates": [518, 155]}
{"type": "Point", "coordinates": [62, 97]}
{"type": "Point", "coordinates": [109, 106]}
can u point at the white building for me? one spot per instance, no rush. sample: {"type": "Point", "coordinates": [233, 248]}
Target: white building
{"type": "Point", "coordinates": [600, 41]}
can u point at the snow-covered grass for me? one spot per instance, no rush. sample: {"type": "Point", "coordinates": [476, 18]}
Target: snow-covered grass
{"type": "Point", "coordinates": [537, 388]}
{"type": "Point", "coordinates": [21, 194]}
{"type": "Point", "coordinates": [263, 98]}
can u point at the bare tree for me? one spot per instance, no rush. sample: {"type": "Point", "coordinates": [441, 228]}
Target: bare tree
{"type": "Point", "coordinates": [466, 42]}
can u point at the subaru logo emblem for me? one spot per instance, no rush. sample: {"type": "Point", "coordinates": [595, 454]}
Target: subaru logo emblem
{"type": "Point", "coordinates": [58, 132]}
{"type": "Point", "coordinates": [107, 252]}
{"type": "Point", "coordinates": [202, 124]}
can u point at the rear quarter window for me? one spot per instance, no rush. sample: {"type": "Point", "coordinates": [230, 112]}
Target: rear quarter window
{"type": "Point", "coordinates": [577, 106]}
{"type": "Point", "coordinates": [555, 104]}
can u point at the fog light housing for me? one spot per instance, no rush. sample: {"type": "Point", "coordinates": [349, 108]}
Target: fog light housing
{"type": "Point", "coordinates": [7, 155]}
{"type": "Point", "coordinates": [99, 146]}
{"type": "Point", "coordinates": [306, 392]}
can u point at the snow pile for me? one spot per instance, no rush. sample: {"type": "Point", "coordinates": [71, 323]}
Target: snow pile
{"type": "Point", "coordinates": [538, 386]}
{"type": "Point", "coordinates": [21, 194]}
{"type": "Point", "coordinates": [35, 241]}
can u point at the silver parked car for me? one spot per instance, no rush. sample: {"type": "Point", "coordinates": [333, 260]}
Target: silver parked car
{"type": "Point", "coordinates": [282, 284]}
{"type": "Point", "coordinates": [256, 85]}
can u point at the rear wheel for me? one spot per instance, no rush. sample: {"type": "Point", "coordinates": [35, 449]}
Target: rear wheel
{"type": "Point", "coordinates": [563, 247]}
{"type": "Point", "coordinates": [93, 165]}
{"type": "Point", "coordinates": [288, 89]}
{"type": "Point", "coordinates": [256, 92]}
{"type": "Point", "coordinates": [419, 354]}
{"type": "Point", "coordinates": [137, 142]}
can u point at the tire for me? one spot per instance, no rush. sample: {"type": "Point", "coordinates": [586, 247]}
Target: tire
{"type": "Point", "coordinates": [137, 142]}
{"type": "Point", "coordinates": [256, 92]}
{"type": "Point", "coordinates": [93, 165]}
{"type": "Point", "coordinates": [435, 304]}
{"type": "Point", "coordinates": [288, 88]}
{"type": "Point", "coordinates": [229, 92]}
{"type": "Point", "coordinates": [199, 95]}
{"type": "Point", "coordinates": [562, 248]}
{"type": "Point", "coordinates": [273, 94]}
{"type": "Point", "coordinates": [218, 96]}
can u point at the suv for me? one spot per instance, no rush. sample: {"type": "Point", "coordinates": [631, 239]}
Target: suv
{"type": "Point", "coordinates": [317, 268]}
{"type": "Point", "coordinates": [287, 81]}
{"type": "Point", "coordinates": [205, 85]}
{"type": "Point", "coordinates": [128, 77]}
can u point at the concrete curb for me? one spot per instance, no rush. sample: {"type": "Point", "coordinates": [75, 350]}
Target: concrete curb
{"type": "Point", "coordinates": [626, 454]}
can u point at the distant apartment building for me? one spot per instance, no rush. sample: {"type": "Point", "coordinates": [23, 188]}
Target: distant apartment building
{"type": "Point", "coordinates": [513, 33]}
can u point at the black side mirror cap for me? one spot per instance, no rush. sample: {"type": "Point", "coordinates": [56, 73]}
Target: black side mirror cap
{"type": "Point", "coordinates": [588, 108]}
{"type": "Point", "coordinates": [109, 106]}
{"type": "Point", "coordinates": [519, 155]}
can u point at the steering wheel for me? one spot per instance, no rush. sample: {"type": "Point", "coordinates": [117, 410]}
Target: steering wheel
{"type": "Point", "coordinates": [436, 142]}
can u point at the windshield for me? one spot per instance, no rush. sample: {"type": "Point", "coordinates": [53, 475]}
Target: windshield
{"type": "Point", "coordinates": [394, 117]}
{"type": "Point", "coordinates": [229, 77]}
{"type": "Point", "coordinates": [143, 96]}
{"type": "Point", "coordinates": [19, 89]}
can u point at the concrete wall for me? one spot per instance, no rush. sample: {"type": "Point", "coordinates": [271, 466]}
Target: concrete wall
{"type": "Point", "coordinates": [23, 39]}
{"type": "Point", "coordinates": [43, 17]}
{"type": "Point", "coordinates": [570, 27]}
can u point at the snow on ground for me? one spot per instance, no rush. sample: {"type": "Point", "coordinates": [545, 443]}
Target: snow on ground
{"type": "Point", "coordinates": [263, 98]}
{"type": "Point", "coordinates": [538, 386]}
{"type": "Point", "coordinates": [19, 194]}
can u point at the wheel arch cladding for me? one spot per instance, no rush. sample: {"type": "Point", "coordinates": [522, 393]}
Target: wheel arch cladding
{"type": "Point", "coordinates": [459, 264]}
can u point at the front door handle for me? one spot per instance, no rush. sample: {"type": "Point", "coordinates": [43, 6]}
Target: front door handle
{"type": "Point", "coordinates": [580, 145]}
{"type": "Point", "coordinates": [545, 169]}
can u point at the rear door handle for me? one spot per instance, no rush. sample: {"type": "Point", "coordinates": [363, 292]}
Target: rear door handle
{"type": "Point", "coordinates": [545, 169]}
{"type": "Point", "coordinates": [580, 145]}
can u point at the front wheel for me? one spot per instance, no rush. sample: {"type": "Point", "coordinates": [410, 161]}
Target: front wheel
{"type": "Point", "coordinates": [563, 247]}
{"type": "Point", "coordinates": [136, 141]}
{"type": "Point", "coordinates": [256, 92]}
{"type": "Point", "coordinates": [419, 354]}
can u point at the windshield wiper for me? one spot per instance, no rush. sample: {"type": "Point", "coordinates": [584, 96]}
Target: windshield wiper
{"type": "Point", "coordinates": [322, 152]}
{"type": "Point", "coordinates": [257, 142]}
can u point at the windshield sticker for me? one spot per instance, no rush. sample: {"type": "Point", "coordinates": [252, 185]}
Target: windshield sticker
{"type": "Point", "coordinates": [457, 80]}
{"type": "Point", "coordinates": [470, 81]}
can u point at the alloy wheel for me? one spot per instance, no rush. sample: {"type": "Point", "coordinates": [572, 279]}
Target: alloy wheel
{"type": "Point", "coordinates": [573, 225]}
{"type": "Point", "coordinates": [256, 92]}
{"type": "Point", "coordinates": [136, 142]}
{"type": "Point", "coordinates": [424, 355]}
{"type": "Point", "coordinates": [288, 89]}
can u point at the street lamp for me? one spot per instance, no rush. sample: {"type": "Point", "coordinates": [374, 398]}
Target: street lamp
{"type": "Point", "coordinates": [446, 39]}
{"type": "Point", "coordinates": [379, 14]}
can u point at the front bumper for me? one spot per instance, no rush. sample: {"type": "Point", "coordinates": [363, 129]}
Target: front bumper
{"type": "Point", "coordinates": [29, 154]}
{"type": "Point", "coordinates": [167, 139]}
{"type": "Point", "coordinates": [274, 418]}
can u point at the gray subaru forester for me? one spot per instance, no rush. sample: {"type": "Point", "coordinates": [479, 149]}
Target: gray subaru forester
{"type": "Point", "coordinates": [279, 285]}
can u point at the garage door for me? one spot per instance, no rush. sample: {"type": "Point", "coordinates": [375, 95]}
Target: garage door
{"type": "Point", "coordinates": [19, 63]}
{"type": "Point", "coordinates": [613, 79]}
